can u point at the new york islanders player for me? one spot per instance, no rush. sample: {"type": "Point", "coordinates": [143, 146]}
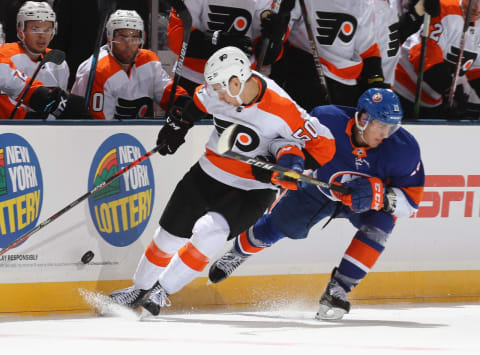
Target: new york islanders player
{"type": "Point", "coordinates": [379, 161]}
{"type": "Point", "coordinates": [443, 49]}
{"type": "Point", "coordinates": [36, 27]}
{"type": "Point", "coordinates": [216, 24]}
{"type": "Point", "coordinates": [218, 198]}
{"type": "Point", "coordinates": [128, 79]}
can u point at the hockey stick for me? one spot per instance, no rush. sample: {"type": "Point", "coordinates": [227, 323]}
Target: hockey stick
{"type": "Point", "coordinates": [426, 26]}
{"type": "Point", "coordinates": [78, 200]}
{"type": "Point", "coordinates": [54, 56]}
{"type": "Point", "coordinates": [466, 24]}
{"type": "Point", "coordinates": [186, 18]}
{"type": "Point", "coordinates": [316, 57]}
{"type": "Point", "coordinates": [224, 148]}
{"type": "Point", "coordinates": [107, 9]}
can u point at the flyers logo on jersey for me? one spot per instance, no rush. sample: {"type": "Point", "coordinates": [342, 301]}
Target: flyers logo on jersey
{"type": "Point", "coordinates": [229, 19]}
{"type": "Point", "coordinates": [467, 60]}
{"type": "Point", "coordinates": [393, 39]}
{"type": "Point", "coordinates": [331, 25]}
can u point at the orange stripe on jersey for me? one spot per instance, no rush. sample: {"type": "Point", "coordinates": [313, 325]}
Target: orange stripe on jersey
{"type": "Point", "coordinates": [157, 256]}
{"type": "Point", "coordinates": [107, 66]}
{"type": "Point", "coordinates": [434, 55]}
{"type": "Point", "coordinates": [414, 192]}
{"type": "Point", "coordinates": [12, 49]}
{"type": "Point", "coordinates": [373, 51]}
{"type": "Point", "coordinates": [145, 56]}
{"type": "Point", "coordinates": [363, 253]}
{"type": "Point", "coordinates": [350, 73]}
{"type": "Point", "coordinates": [231, 166]}
{"type": "Point", "coordinates": [246, 245]}
{"type": "Point", "coordinates": [192, 257]}
{"type": "Point", "coordinates": [402, 77]}
{"type": "Point", "coordinates": [473, 74]}
{"type": "Point", "coordinates": [290, 149]}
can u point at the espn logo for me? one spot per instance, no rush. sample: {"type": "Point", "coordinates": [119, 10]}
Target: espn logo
{"type": "Point", "coordinates": [449, 196]}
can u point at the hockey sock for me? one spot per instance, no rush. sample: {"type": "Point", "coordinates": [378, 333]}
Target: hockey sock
{"type": "Point", "coordinates": [360, 256]}
{"type": "Point", "coordinates": [263, 234]}
{"type": "Point", "coordinates": [209, 236]}
{"type": "Point", "coordinates": [156, 257]}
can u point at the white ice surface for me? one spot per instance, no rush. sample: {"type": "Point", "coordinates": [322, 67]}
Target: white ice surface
{"type": "Point", "coordinates": [393, 329]}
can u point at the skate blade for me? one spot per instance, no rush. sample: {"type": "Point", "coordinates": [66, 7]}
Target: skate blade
{"type": "Point", "coordinates": [105, 307]}
{"type": "Point", "coordinates": [329, 313]}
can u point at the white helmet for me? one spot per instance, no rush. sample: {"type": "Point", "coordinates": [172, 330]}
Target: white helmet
{"type": "Point", "coordinates": [36, 11]}
{"type": "Point", "coordinates": [124, 19]}
{"type": "Point", "coordinates": [226, 63]}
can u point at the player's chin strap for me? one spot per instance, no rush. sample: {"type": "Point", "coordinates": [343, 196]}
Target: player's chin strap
{"type": "Point", "coordinates": [360, 128]}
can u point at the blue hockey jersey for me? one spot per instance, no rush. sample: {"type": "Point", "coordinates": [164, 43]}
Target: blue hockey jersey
{"type": "Point", "coordinates": [396, 161]}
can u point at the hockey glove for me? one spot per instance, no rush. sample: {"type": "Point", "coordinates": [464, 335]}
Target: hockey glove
{"type": "Point", "coordinates": [220, 39]}
{"type": "Point", "coordinates": [260, 174]}
{"type": "Point", "coordinates": [273, 28]}
{"type": "Point", "coordinates": [290, 161]}
{"type": "Point", "coordinates": [365, 194]}
{"type": "Point", "coordinates": [132, 109]}
{"type": "Point", "coordinates": [185, 107]}
{"type": "Point", "coordinates": [172, 135]}
{"type": "Point", "coordinates": [55, 101]}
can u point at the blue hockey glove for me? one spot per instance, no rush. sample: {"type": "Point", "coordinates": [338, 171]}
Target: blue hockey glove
{"type": "Point", "coordinates": [366, 194]}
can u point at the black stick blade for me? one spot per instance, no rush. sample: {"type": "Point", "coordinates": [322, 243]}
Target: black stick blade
{"type": "Point", "coordinates": [54, 56]}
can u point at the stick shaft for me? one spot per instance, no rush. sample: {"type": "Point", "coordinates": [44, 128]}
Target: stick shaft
{"type": "Point", "coordinates": [313, 46]}
{"type": "Point", "coordinates": [285, 171]}
{"type": "Point", "coordinates": [418, 94]}
{"type": "Point", "coordinates": [78, 200]}
{"type": "Point", "coordinates": [451, 93]}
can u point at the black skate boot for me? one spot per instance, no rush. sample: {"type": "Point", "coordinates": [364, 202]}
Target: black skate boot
{"type": "Point", "coordinates": [223, 267]}
{"type": "Point", "coordinates": [334, 301]}
{"type": "Point", "coordinates": [129, 297]}
{"type": "Point", "coordinates": [158, 298]}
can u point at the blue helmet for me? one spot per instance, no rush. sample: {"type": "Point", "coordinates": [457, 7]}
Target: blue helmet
{"type": "Point", "coordinates": [381, 104]}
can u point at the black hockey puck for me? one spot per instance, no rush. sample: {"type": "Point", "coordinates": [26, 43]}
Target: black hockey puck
{"type": "Point", "coordinates": [87, 257]}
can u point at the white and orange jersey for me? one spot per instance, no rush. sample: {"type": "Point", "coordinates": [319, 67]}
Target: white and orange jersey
{"type": "Point", "coordinates": [241, 17]}
{"type": "Point", "coordinates": [344, 34]}
{"type": "Point", "coordinates": [272, 122]}
{"type": "Point", "coordinates": [443, 45]}
{"type": "Point", "coordinates": [387, 31]}
{"type": "Point", "coordinates": [12, 83]}
{"type": "Point", "coordinates": [117, 94]}
{"type": "Point", "coordinates": [50, 74]}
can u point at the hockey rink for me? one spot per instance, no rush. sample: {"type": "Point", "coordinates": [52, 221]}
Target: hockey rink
{"type": "Point", "coordinates": [283, 329]}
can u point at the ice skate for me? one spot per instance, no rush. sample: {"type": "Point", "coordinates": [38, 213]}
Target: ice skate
{"type": "Point", "coordinates": [223, 267]}
{"type": "Point", "coordinates": [158, 298]}
{"type": "Point", "coordinates": [130, 297]}
{"type": "Point", "coordinates": [334, 302]}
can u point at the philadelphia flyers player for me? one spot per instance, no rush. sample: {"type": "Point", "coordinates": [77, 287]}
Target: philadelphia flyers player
{"type": "Point", "coordinates": [36, 27]}
{"type": "Point", "coordinates": [358, 44]}
{"type": "Point", "coordinates": [128, 79]}
{"type": "Point", "coordinates": [443, 49]}
{"type": "Point", "coordinates": [216, 24]}
{"type": "Point", "coordinates": [218, 197]}
{"type": "Point", "coordinates": [45, 100]}
{"type": "Point", "coordinates": [379, 162]}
